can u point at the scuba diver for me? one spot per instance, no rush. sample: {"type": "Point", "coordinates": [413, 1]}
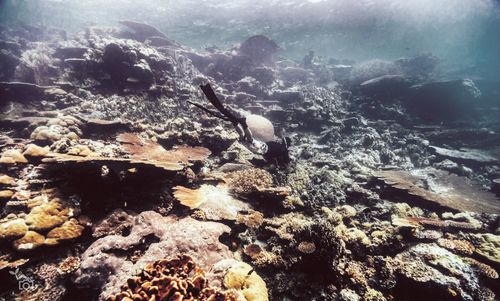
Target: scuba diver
{"type": "Point", "coordinates": [256, 132]}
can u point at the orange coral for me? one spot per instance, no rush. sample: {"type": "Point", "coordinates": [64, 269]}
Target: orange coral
{"type": "Point", "coordinates": [253, 219]}
{"type": "Point", "coordinates": [459, 246]}
{"type": "Point", "coordinates": [6, 263]}
{"type": "Point", "coordinates": [483, 268]}
{"type": "Point", "coordinates": [149, 150]}
{"type": "Point", "coordinates": [172, 280]}
{"type": "Point", "coordinates": [253, 251]}
{"type": "Point", "coordinates": [306, 247]}
{"type": "Point", "coordinates": [249, 180]}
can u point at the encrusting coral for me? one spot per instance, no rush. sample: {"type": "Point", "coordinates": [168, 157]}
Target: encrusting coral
{"type": "Point", "coordinates": [105, 269]}
{"type": "Point", "coordinates": [172, 280]}
{"type": "Point", "coordinates": [242, 277]}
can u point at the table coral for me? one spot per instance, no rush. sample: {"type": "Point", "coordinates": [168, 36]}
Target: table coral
{"type": "Point", "coordinates": [214, 201]}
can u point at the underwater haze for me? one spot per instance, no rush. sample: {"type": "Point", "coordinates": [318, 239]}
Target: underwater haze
{"type": "Point", "coordinates": [463, 33]}
{"type": "Point", "coordinates": [266, 150]}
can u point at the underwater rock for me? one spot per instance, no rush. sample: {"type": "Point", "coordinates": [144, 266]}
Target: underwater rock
{"type": "Point", "coordinates": [496, 186]}
{"type": "Point", "coordinates": [419, 67]}
{"type": "Point", "coordinates": [444, 100]}
{"type": "Point", "coordinates": [71, 52]}
{"type": "Point", "coordinates": [372, 69]}
{"type": "Point", "coordinates": [8, 64]}
{"type": "Point", "coordinates": [115, 223]}
{"type": "Point", "coordinates": [259, 48]}
{"type": "Point", "coordinates": [142, 31]}
{"type": "Point", "coordinates": [386, 86]}
{"type": "Point", "coordinates": [293, 75]}
{"type": "Point", "coordinates": [105, 269]}
{"type": "Point", "coordinates": [431, 264]}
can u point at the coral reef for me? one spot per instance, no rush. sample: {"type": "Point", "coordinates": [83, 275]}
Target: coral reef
{"type": "Point", "coordinates": [113, 187]}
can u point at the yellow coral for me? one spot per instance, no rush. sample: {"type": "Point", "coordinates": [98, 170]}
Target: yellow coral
{"type": "Point", "coordinates": [69, 230]}
{"type": "Point", "coordinates": [6, 194]}
{"type": "Point", "coordinates": [13, 228]}
{"type": "Point", "coordinates": [80, 150]}
{"type": "Point", "coordinates": [47, 215]}
{"type": "Point", "coordinates": [12, 156]}
{"type": "Point", "coordinates": [31, 240]}
{"type": "Point", "coordinates": [33, 150]}
{"type": "Point", "coordinates": [6, 180]}
{"type": "Point", "coordinates": [373, 295]}
{"type": "Point", "coordinates": [243, 278]}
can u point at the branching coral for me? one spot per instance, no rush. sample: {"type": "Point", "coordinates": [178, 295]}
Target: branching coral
{"type": "Point", "coordinates": [171, 279]}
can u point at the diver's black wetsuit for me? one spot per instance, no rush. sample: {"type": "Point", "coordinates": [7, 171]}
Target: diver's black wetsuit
{"type": "Point", "coordinates": [271, 150]}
